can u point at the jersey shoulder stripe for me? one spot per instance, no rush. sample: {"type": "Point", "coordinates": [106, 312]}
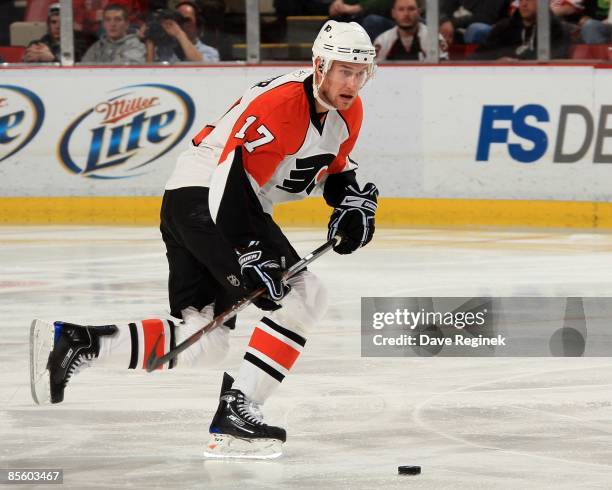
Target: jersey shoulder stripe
{"type": "Point", "coordinates": [279, 102]}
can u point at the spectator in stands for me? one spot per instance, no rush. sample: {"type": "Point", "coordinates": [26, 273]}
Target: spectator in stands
{"type": "Point", "coordinates": [570, 12]}
{"type": "Point", "coordinates": [373, 15]}
{"type": "Point", "coordinates": [47, 48]}
{"type": "Point", "coordinates": [407, 40]}
{"type": "Point", "coordinates": [88, 14]}
{"type": "Point", "coordinates": [596, 25]}
{"type": "Point", "coordinates": [179, 38]}
{"type": "Point", "coordinates": [470, 21]}
{"type": "Point", "coordinates": [116, 45]}
{"type": "Point", "coordinates": [515, 38]}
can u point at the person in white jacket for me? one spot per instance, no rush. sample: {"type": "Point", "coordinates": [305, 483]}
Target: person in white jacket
{"type": "Point", "coordinates": [408, 39]}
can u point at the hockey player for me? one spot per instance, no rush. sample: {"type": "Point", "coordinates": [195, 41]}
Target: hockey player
{"type": "Point", "coordinates": [286, 138]}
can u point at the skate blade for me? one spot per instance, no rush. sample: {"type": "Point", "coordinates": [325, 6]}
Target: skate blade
{"type": "Point", "coordinates": [41, 344]}
{"type": "Point", "coordinates": [226, 446]}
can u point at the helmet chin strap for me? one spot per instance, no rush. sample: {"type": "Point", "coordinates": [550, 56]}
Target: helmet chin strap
{"type": "Point", "coordinates": [315, 90]}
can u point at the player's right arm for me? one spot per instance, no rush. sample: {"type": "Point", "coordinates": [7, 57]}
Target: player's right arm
{"type": "Point", "coordinates": [354, 207]}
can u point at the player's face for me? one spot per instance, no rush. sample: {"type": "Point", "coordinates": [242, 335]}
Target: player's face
{"type": "Point", "coordinates": [405, 13]}
{"type": "Point", "coordinates": [115, 25]}
{"type": "Point", "coordinates": [343, 82]}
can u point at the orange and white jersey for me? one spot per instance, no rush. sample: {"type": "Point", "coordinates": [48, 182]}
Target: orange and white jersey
{"type": "Point", "coordinates": [275, 132]}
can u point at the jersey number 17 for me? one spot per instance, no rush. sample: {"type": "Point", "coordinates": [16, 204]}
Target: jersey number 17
{"type": "Point", "coordinates": [266, 134]}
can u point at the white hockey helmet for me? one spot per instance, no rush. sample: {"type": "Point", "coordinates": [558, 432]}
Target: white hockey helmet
{"type": "Point", "coordinates": [341, 41]}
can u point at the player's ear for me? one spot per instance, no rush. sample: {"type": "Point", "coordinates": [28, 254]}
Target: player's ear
{"type": "Point", "coordinates": [318, 72]}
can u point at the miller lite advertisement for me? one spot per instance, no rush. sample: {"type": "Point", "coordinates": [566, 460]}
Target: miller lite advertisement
{"type": "Point", "coordinates": [127, 131]}
{"type": "Point", "coordinates": [120, 134]}
{"type": "Point", "coordinates": [22, 113]}
{"type": "Point", "coordinates": [78, 132]}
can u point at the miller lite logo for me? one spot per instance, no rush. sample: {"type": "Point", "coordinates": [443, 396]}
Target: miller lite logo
{"type": "Point", "coordinates": [119, 136]}
{"type": "Point", "coordinates": [21, 116]}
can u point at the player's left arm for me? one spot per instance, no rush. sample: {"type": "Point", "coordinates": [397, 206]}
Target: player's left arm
{"type": "Point", "coordinates": [355, 207]}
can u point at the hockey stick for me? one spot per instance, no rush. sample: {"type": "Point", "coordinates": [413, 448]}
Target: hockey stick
{"type": "Point", "coordinates": [153, 362]}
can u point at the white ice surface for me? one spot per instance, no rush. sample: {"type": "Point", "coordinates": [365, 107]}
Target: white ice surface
{"type": "Point", "coordinates": [469, 422]}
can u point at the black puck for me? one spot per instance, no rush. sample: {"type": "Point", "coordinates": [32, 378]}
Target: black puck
{"type": "Point", "coordinates": [409, 470]}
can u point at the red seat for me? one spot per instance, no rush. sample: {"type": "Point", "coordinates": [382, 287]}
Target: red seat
{"type": "Point", "coordinates": [458, 52]}
{"type": "Point", "coordinates": [591, 52]}
{"type": "Point", "coordinates": [12, 54]}
{"type": "Point", "coordinates": [36, 10]}
{"type": "Point", "coordinates": [601, 51]}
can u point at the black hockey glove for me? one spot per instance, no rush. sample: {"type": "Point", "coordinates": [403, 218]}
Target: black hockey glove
{"type": "Point", "coordinates": [353, 218]}
{"type": "Point", "coordinates": [261, 268]}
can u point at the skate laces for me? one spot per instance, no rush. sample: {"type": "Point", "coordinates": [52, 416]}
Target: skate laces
{"type": "Point", "coordinates": [255, 408]}
{"type": "Point", "coordinates": [81, 362]}
{"type": "Point", "coordinates": [250, 410]}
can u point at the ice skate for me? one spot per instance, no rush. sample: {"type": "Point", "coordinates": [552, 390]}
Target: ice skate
{"type": "Point", "coordinates": [238, 431]}
{"type": "Point", "coordinates": [57, 352]}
